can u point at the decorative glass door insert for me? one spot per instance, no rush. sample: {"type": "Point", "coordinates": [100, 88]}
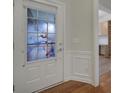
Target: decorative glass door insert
{"type": "Point", "coordinates": [41, 35]}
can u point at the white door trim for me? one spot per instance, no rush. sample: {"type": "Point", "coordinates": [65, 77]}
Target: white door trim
{"type": "Point", "coordinates": [56, 3]}
{"type": "Point", "coordinates": [95, 42]}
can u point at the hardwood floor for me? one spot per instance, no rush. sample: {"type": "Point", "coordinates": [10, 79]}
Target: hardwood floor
{"type": "Point", "coordinates": [79, 87]}
{"type": "Point", "coordinates": [105, 83]}
{"type": "Point", "coordinates": [105, 64]}
{"type": "Point", "coordinates": [105, 72]}
{"type": "Point", "coordinates": [70, 87]}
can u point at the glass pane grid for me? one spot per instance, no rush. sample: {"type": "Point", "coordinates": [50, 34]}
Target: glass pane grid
{"type": "Point", "coordinates": [31, 13]}
{"type": "Point", "coordinates": [42, 15]}
{"type": "Point", "coordinates": [32, 25]}
{"type": "Point", "coordinates": [32, 39]}
{"type": "Point", "coordinates": [42, 26]}
{"type": "Point", "coordinates": [31, 53]}
{"type": "Point", "coordinates": [41, 35]}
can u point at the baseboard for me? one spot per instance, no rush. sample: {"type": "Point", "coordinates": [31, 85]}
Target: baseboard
{"type": "Point", "coordinates": [84, 80]}
{"type": "Point", "coordinates": [67, 79]}
{"type": "Point", "coordinates": [48, 87]}
{"type": "Point", "coordinates": [82, 72]}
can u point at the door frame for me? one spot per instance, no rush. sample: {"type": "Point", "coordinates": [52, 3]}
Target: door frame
{"type": "Point", "coordinates": [95, 43]}
{"type": "Point", "coordinates": [57, 4]}
{"type": "Point", "coordinates": [61, 6]}
{"type": "Point", "coordinates": [96, 7]}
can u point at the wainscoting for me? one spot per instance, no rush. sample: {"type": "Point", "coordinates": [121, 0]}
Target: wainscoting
{"type": "Point", "coordinates": [78, 66]}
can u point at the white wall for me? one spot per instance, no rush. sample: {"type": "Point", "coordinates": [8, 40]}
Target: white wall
{"type": "Point", "coordinates": [78, 24]}
{"type": "Point", "coordinates": [79, 55]}
{"type": "Point", "coordinates": [106, 4]}
{"type": "Point", "coordinates": [103, 40]}
{"type": "Point", "coordinates": [81, 25]}
{"type": "Point", "coordinates": [104, 16]}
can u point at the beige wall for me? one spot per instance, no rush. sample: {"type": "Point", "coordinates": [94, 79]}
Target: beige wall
{"type": "Point", "coordinates": [79, 24]}
{"type": "Point", "coordinates": [103, 28]}
{"type": "Point", "coordinates": [80, 29]}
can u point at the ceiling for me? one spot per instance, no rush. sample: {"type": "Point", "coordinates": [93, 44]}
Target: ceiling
{"type": "Point", "coordinates": [104, 10]}
{"type": "Point", "coordinates": [104, 16]}
{"type": "Point", "coordinates": [105, 5]}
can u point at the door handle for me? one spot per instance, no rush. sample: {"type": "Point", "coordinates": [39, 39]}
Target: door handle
{"type": "Point", "coordinates": [60, 49]}
{"type": "Point", "coordinates": [60, 44]}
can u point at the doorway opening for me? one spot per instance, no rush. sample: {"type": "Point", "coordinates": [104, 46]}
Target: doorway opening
{"type": "Point", "coordinates": [104, 44]}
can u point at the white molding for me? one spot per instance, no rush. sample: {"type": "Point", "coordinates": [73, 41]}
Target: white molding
{"type": "Point", "coordinates": [67, 78]}
{"type": "Point", "coordinates": [67, 65]}
{"type": "Point", "coordinates": [88, 63]}
{"type": "Point", "coordinates": [89, 81]}
{"type": "Point", "coordinates": [37, 91]}
{"type": "Point", "coordinates": [71, 57]}
{"type": "Point", "coordinates": [81, 56]}
{"type": "Point", "coordinates": [64, 44]}
{"type": "Point", "coordinates": [79, 52]}
{"type": "Point", "coordinates": [95, 43]}
{"type": "Point", "coordinates": [56, 1]}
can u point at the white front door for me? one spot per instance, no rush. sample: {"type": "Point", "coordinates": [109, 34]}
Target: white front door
{"type": "Point", "coordinates": [38, 45]}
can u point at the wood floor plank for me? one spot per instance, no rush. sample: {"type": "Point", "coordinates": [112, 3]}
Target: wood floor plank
{"type": "Point", "coordinates": [79, 87]}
